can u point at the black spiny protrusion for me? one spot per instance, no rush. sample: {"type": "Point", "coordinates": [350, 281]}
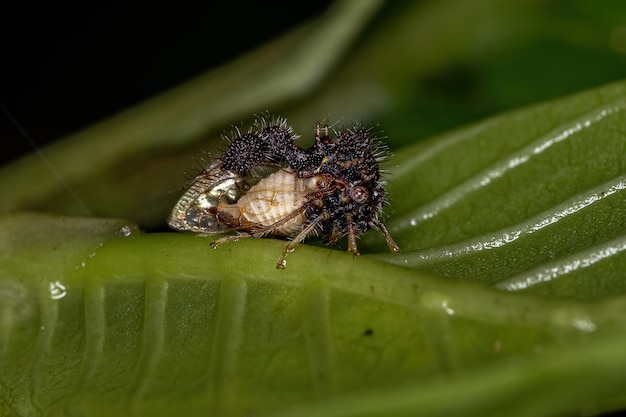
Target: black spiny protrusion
{"type": "Point", "coordinates": [244, 153]}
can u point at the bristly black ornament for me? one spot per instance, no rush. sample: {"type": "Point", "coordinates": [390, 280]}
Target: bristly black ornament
{"type": "Point", "coordinates": [332, 189]}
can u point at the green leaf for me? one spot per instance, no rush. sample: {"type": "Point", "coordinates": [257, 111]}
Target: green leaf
{"type": "Point", "coordinates": [507, 300]}
{"type": "Point", "coordinates": [159, 324]}
{"type": "Point", "coordinates": [523, 200]}
{"type": "Point", "coordinates": [97, 318]}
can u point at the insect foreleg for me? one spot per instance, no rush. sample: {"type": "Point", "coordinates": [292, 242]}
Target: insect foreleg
{"type": "Point", "coordinates": [351, 236]}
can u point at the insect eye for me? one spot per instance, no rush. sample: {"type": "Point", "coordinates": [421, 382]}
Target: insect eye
{"type": "Point", "coordinates": [359, 194]}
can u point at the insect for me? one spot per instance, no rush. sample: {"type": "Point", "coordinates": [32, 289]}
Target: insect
{"type": "Point", "coordinates": [265, 184]}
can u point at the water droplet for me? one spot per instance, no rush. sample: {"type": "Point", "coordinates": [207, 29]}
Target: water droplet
{"type": "Point", "coordinates": [584, 324]}
{"type": "Point", "coordinates": [446, 308]}
{"type": "Point", "coordinates": [57, 290]}
{"type": "Point", "coordinates": [125, 231]}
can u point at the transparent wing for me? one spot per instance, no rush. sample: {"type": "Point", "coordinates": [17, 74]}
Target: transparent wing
{"type": "Point", "coordinates": [197, 209]}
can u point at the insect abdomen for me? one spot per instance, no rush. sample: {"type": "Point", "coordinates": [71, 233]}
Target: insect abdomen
{"type": "Point", "coordinates": [275, 198]}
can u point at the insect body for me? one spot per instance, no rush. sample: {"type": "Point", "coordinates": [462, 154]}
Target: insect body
{"type": "Point", "coordinates": [332, 189]}
{"type": "Point", "coordinates": [277, 202]}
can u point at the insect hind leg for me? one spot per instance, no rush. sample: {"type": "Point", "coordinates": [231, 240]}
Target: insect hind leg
{"type": "Point", "coordinates": [231, 238]}
{"type": "Point", "coordinates": [308, 229]}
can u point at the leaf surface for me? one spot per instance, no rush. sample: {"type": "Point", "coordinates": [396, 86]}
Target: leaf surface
{"type": "Point", "coordinates": [98, 318]}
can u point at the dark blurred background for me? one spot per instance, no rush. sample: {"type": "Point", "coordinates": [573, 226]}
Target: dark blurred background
{"type": "Point", "coordinates": [66, 65]}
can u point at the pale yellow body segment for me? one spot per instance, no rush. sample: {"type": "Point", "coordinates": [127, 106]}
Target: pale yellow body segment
{"type": "Point", "coordinates": [273, 199]}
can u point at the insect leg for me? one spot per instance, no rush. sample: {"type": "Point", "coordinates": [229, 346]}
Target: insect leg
{"type": "Point", "coordinates": [308, 229]}
{"type": "Point", "coordinates": [232, 238]}
{"type": "Point", "coordinates": [392, 245]}
{"type": "Point", "coordinates": [351, 236]}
